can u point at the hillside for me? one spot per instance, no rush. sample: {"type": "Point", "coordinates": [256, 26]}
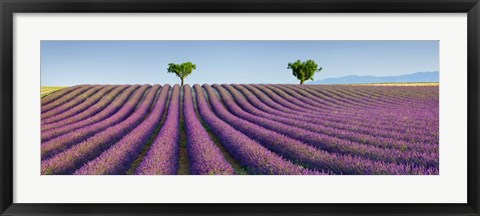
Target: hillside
{"type": "Point", "coordinates": [238, 129]}
{"type": "Point", "coordinates": [414, 77]}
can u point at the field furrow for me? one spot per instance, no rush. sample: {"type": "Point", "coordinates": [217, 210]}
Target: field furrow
{"type": "Point", "coordinates": [118, 110]}
{"type": "Point", "coordinates": [118, 158]}
{"type": "Point", "coordinates": [64, 141]}
{"type": "Point", "coordinates": [205, 157]}
{"type": "Point", "coordinates": [65, 98]}
{"type": "Point", "coordinates": [238, 129]}
{"type": "Point", "coordinates": [68, 161]}
{"type": "Point", "coordinates": [90, 111]}
{"type": "Point", "coordinates": [163, 156]}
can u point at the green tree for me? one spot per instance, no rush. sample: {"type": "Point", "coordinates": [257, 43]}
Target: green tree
{"type": "Point", "coordinates": [182, 70]}
{"type": "Point", "coordinates": [304, 70]}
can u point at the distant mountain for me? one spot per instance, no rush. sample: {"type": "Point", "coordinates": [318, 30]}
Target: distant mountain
{"type": "Point", "coordinates": [414, 77]}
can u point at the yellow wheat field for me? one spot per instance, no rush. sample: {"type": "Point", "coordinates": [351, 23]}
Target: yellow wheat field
{"type": "Point", "coordinates": [46, 90]}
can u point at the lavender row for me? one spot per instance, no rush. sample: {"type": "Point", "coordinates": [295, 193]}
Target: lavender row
{"type": "Point", "coordinates": [280, 99]}
{"type": "Point", "coordinates": [385, 92]}
{"type": "Point", "coordinates": [58, 94]}
{"type": "Point", "coordinates": [249, 153]}
{"type": "Point", "coordinates": [65, 98]}
{"type": "Point", "coordinates": [407, 97]}
{"type": "Point", "coordinates": [68, 161]}
{"type": "Point", "coordinates": [72, 103]}
{"type": "Point", "coordinates": [305, 107]}
{"type": "Point", "coordinates": [374, 108]}
{"type": "Point", "coordinates": [309, 155]}
{"type": "Point", "coordinates": [62, 142]}
{"type": "Point", "coordinates": [356, 95]}
{"type": "Point", "coordinates": [205, 157]}
{"type": "Point", "coordinates": [342, 96]}
{"type": "Point", "coordinates": [88, 102]}
{"type": "Point", "coordinates": [117, 159]}
{"type": "Point", "coordinates": [252, 104]}
{"type": "Point", "coordinates": [312, 122]}
{"type": "Point", "coordinates": [310, 102]}
{"type": "Point", "coordinates": [322, 98]}
{"type": "Point", "coordinates": [290, 99]}
{"type": "Point", "coordinates": [328, 120]}
{"type": "Point", "coordinates": [307, 103]}
{"type": "Point", "coordinates": [163, 155]}
{"type": "Point", "coordinates": [89, 112]}
{"type": "Point", "coordinates": [366, 120]}
{"type": "Point", "coordinates": [399, 91]}
{"type": "Point", "coordinates": [330, 143]}
{"type": "Point", "coordinates": [393, 118]}
{"type": "Point", "coordinates": [91, 117]}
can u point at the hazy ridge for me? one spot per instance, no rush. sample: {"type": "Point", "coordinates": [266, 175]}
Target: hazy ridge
{"type": "Point", "coordinates": [432, 76]}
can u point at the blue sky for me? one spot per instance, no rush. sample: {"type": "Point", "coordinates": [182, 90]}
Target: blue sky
{"type": "Point", "coordinates": [65, 63]}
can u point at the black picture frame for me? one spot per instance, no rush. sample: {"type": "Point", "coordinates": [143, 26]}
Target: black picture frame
{"type": "Point", "coordinates": [9, 7]}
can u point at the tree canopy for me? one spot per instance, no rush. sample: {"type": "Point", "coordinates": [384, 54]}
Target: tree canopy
{"type": "Point", "coordinates": [304, 70]}
{"type": "Point", "coordinates": [182, 70]}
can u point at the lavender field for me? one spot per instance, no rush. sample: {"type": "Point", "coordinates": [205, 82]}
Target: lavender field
{"type": "Point", "coordinates": [240, 129]}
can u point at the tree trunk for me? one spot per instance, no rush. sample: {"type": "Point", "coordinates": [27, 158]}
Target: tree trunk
{"type": "Point", "coordinates": [182, 82]}
{"type": "Point", "coordinates": [301, 82]}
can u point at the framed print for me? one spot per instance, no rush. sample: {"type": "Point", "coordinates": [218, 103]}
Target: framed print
{"type": "Point", "coordinates": [236, 107]}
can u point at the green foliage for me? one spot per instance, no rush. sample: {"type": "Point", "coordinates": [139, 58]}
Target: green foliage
{"type": "Point", "coordinates": [304, 70]}
{"type": "Point", "coordinates": [182, 70]}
